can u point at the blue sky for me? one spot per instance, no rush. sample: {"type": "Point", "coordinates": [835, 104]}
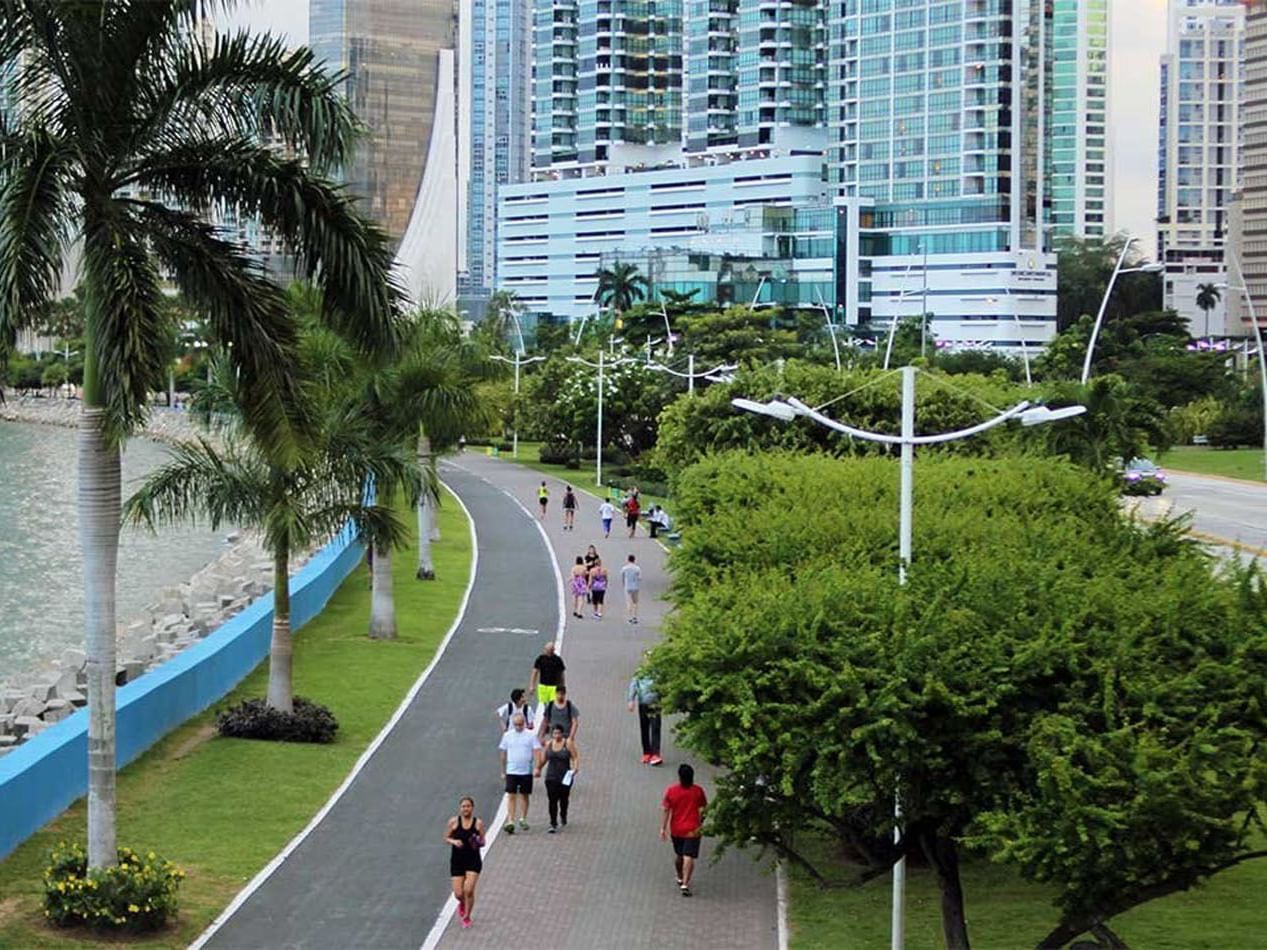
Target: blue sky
{"type": "Point", "coordinates": [1138, 39]}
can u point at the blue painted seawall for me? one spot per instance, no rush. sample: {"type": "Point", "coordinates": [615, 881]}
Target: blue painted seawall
{"type": "Point", "coordinates": [44, 776]}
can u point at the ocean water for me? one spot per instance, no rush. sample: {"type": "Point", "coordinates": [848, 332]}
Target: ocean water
{"type": "Point", "coordinates": [41, 573]}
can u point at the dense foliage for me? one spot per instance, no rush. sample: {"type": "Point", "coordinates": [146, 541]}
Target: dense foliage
{"type": "Point", "coordinates": [255, 719]}
{"type": "Point", "coordinates": [138, 893]}
{"type": "Point", "coordinates": [1018, 694]}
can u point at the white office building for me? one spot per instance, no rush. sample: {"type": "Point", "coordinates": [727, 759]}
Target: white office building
{"type": "Point", "coordinates": [1199, 152]}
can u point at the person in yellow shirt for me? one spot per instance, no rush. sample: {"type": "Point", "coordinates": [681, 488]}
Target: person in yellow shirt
{"type": "Point", "coordinates": [543, 499]}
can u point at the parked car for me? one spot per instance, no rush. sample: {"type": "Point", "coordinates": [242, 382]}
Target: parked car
{"type": "Point", "coordinates": [1142, 477]}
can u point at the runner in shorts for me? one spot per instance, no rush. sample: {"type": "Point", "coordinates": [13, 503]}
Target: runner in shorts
{"type": "Point", "coordinates": [543, 499]}
{"type": "Point", "coordinates": [548, 672]}
{"type": "Point", "coordinates": [682, 810]}
{"type": "Point", "coordinates": [569, 509]}
{"type": "Point", "coordinates": [632, 510]}
{"type": "Point", "coordinates": [631, 578]}
{"type": "Point", "coordinates": [465, 836]}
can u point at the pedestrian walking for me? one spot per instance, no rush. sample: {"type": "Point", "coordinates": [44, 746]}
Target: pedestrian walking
{"type": "Point", "coordinates": [465, 836]}
{"type": "Point", "coordinates": [543, 499]}
{"type": "Point", "coordinates": [606, 512]}
{"type": "Point", "coordinates": [631, 579]}
{"type": "Point", "coordinates": [598, 588]}
{"type": "Point", "coordinates": [580, 586]}
{"type": "Point", "coordinates": [562, 761]}
{"type": "Point", "coordinates": [520, 751]}
{"type": "Point", "coordinates": [561, 712]}
{"type": "Point", "coordinates": [548, 672]}
{"type": "Point", "coordinates": [518, 704]}
{"type": "Point", "coordinates": [632, 509]}
{"type": "Point", "coordinates": [569, 509]}
{"type": "Point", "coordinates": [681, 816]}
{"type": "Point", "coordinates": [643, 697]}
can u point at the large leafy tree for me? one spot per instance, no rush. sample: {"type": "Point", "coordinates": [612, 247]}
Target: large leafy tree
{"type": "Point", "coordinates": [131, 131]}
{"type": "Point", "coordinates": [1085, 267]}
{"type": "Point", "coordinates": [1017, 695]}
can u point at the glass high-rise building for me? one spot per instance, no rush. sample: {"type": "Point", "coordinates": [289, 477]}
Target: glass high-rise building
{"type": "Point", "coordinates": [1199, 150]}
{"type": "Point", "coordinates": [390, 52]}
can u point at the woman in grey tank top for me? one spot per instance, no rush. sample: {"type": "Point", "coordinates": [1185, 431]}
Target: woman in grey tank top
{"type": "Point", "coordinates": [562, 762]}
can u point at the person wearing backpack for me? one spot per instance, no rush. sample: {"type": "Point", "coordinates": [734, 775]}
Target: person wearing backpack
{"type": "Point", "coordinates": [561, 712]}
{"type": "Point", "coordinates": [506, 711]}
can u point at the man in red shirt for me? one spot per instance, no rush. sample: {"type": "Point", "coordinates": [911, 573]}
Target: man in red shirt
{"type": "Point", "coordinates": [682, 815]}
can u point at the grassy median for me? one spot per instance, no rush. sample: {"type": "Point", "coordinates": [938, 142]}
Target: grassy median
{"type": "Point", "coordinates": [1203, 460]}
{"type": "Point", "coordinates": [220, 808]}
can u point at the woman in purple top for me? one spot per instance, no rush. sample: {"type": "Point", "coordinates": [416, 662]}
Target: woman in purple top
{"type": "Point", "coordinates": [580, 586]}
{"type": "Point", "coordinates": [598, 588]}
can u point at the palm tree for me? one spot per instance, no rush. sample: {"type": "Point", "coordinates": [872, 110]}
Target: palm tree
{"type": "Point", "coordinates": [1207, 299]}
{"type": "Point", "coordinates": [502, 317]}
{"type": "Point", "coordinates": [131, 130]}
{"type": "Point", "coordinates": [292, 505]}
{"type": "Point", "coordinates": [621, 286]}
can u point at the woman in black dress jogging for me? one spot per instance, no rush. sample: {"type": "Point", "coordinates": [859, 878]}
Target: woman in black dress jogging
{"type": "Point", "coordinates": [465, 834]}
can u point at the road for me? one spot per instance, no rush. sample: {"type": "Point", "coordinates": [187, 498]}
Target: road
{"type": "Point", "coordinates": [1233, 511]}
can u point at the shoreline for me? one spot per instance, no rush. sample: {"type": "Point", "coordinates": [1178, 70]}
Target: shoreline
{"type": "Point", "coordinates": [182, 613]}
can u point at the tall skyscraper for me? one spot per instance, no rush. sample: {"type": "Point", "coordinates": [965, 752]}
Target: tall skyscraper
{"type": "Point", "coordinates": [390, 52]}
{"type": "Point", "coordinates": [1250, 221]}
{"type": "Point", "coordinates": [496, 121]}
{"type": "Point", "coordinates": [1199, 143]}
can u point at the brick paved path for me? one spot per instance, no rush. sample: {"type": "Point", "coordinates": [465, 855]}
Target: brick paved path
{"type": "Point", "coordinates": [606, 881]}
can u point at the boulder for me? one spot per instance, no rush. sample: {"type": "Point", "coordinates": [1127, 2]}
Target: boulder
{"type": "Point", "coordinates": [28, 707]}
{"type": "Point", "coordinates": [73, 660]}
{"type": "Point", "coordinates": [10, 698]}
{"type": "Point", "coordinates": [57, 710]}
{"type": "Point", "coordinates": [26, 726]}
{"type": "Point", "coordinates": [76, 699]}
{"type": "Point", "coordinates": [7, 743]}
{"type": "Point", "coordinates": [43, 692]}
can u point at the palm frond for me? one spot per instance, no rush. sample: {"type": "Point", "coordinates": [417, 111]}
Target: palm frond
{"type": "Point", "coordinates": [200, 482]}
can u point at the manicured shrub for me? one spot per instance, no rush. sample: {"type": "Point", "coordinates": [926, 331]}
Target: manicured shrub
{"type": "Point", "coordinates": [557, 453]}
{"type": "Point", "coordinates": [505, 446]}
{"type": "Point", "coordinates": [138, 893]}
{"type": "Point", "coordinates": [255, 719]}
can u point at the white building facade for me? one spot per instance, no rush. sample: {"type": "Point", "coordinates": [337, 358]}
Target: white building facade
{"type": "Point", "coordinates": [1199, 152]}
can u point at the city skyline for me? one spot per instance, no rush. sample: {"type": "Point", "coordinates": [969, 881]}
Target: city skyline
{"type": "Point", "coordinates": [1137, 41]}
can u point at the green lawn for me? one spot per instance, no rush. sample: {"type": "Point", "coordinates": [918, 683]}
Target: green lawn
{"type": "Point", "coordinates": [1006, 913]}
{"type": "Point", "coordinates": [1233, 463]}
{"type": "Point", "coordinates": [579, 478]}
{"type": "Point", "coordinates": [222, 808]}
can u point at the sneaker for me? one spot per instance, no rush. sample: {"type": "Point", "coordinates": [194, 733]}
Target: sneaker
{"type": "Point", "coordinates": [509, 827]}
{"type": "Point", "coordinates": [552, 830]}
{"type": "Point", "coordinates": [634, 620]}
{"type": "Point", "coordinates": [461, 908]}
{"type": "Point", "coordinates": [679, 881]}
{"type": "Point", "coordinates": [466, 923]}
{"type": "Point", "coordinates": [655, 760]}
{"type": "Point", "coordinates": [645, 758]}
{"type": "Point", "coordinates": [523, 825]}
{"type": "Point", "coordinates": [686, 891]}
{"type": "Point", "coordinates": [563, 821]}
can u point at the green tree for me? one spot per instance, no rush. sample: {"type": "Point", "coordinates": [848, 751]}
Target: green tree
{"type": "Point", "coordinates": [621, 286]}
{"type": "Point", "coordinates": [500, 327]}
{"type": "Point", "coordinates": [1016, 695]}
{"type": "Point", "coordinates": [1207, 299]}
{"type": "Point", "coordinates": [1084, 269]}
{"type": "Point", "coordinates": [737, 334]}
{"type": "Point", "coordinates": [137, 130]}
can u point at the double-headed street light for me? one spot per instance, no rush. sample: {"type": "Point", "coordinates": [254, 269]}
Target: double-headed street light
{"type": "Point", "coordinates": [601, 365]}
{"type": "Point", "coordinates": [690, 375]}
{"type": "Point", "coordinates": [519, 360]}
{"type": "Point", "coordinates": [1104, 303]}
{"type": "Point", "coordinates": [788, 409]}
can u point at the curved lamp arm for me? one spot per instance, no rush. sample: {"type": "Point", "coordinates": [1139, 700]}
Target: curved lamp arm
{"type": "Point", "coordinates": [810, 413]}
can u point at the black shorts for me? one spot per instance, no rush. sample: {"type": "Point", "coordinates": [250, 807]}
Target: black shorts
{"type": "Point", "coordinates": [597, 597]}
{"type": "Point", "coordinates": [519, 783]}
{"type": "Point", "coordinates": [463, 861]}
{"type": "Point", "coordinates": [631, 519]}
{"type": "Point", "coordinates": [686, 847]}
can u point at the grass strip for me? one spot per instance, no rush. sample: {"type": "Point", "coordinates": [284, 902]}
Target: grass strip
{"type": "Point", "coordinates": [580, 478]}
{"type": "Point", "coordinates": [222, 808]}
{"type": "Point", "coordinates": [1203, 460]}
{"type": "Point", "coordinates": [1008, 913]}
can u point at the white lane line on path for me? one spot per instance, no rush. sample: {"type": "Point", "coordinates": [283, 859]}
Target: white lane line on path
{"type": "Point", "coordinates": [490, 837]}
{"type": "Point", "coordinates": [259, 879]}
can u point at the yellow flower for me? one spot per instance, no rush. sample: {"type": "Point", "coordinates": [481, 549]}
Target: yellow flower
{"type": "Point", "coordinates": [132, 908]}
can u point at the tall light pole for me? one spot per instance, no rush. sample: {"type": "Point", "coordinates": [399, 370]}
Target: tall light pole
{"type": "Point", "coordinates": [923, 317]}
{"type": "Point", "coordinates": [1243, 288]}
{"type": "Point", "coordinates": [519, 360]}
{"type": "Point", "coordinates": [1020, 334]}
{"type": "Point", "coordinates": [690, 375]}
{"type": "Point", "coordinates": [1104, 304]}
{"type": "Point", "coordinates": [788, 409]}
{"type": "Point", "coordinates": [598, 436]}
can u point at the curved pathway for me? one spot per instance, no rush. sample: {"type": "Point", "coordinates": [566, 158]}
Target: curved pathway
{"type": "Point", "coordinates": [373, 872]}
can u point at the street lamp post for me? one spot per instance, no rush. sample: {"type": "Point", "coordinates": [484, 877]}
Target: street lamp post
{"type": "Point", "coordinates": [690, 375]}
{"type": "Point", "coordinates": [598, 437]}
{"type": "Point", "coordinates": [1104, 303]}
{"type": "Point", "coordinates": [519, 360]}
{"type": "Point", "coordinates": [1020, 335]}
{"type": "Point", "coordinates": [788, 409]}
{"type": "Point", "coordinates": [1243, 288]}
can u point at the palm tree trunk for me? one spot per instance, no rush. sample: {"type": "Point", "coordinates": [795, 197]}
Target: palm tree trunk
{"type": "Point", "coordinates": [99, 514]}
{"type": "Point", "coordinates": [382, 601]}
{"type": "Point", "coordinates": [281, 691]}
{"type": "Point", "coordinates": [426, 568]}
{"type": "Point", "coordinates": [433, 515]}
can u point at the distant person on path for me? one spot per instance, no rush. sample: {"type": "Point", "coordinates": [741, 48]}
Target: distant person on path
{"type": "Point", "coordinates": [632, 510]}
{"type": "Point", "coordinates": [465, 836]}
{"type": "Point", "coordinates": [657, 520]}
{"type": "Point", "coordinates": [591, 557]}
{"type": "Point", "coordinates": [580, 587]}
{"type": "Point", "coordinates": [682, 811]}
{"type": "Point", "coordinates": [561, 712]}
{"type": "Point", "coordinates": [642, 696]}
{"type": "Point", "coordinates": [562, 762]}
{"type": "Point", "coordinates": [606, 512]}
{"type": "Point", "coordinates": [548, 671]}
{"type": "Point", "coordinates": [631, 578]}
{"type": "Point", "coordinates": [518, 704]}
{"type": "Point", "coordinates": [569, 509]}
{"type": "Point", "coordinates": [598, 588]}
{"type": "Point", "coordinates": [520, 753]}
{"type": "Point", "coordinates": [543, 499]}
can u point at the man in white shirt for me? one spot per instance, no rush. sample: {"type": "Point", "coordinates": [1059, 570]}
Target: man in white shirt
{"type": "Point", "coordinates": [631, 577]}
{"type": "Point", "coordinates": [607, 511]}
{"type": "Point", "coordinates": [520, 753]}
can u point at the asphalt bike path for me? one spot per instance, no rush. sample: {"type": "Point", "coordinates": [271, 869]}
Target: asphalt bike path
{"type": "Point", "coordinates": [605, 880]}
{"type": "Point", "coordinates": [373, 871]}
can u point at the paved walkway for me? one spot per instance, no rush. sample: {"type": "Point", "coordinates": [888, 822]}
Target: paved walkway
{"type": "Point", "coordinates": [607, 880]}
